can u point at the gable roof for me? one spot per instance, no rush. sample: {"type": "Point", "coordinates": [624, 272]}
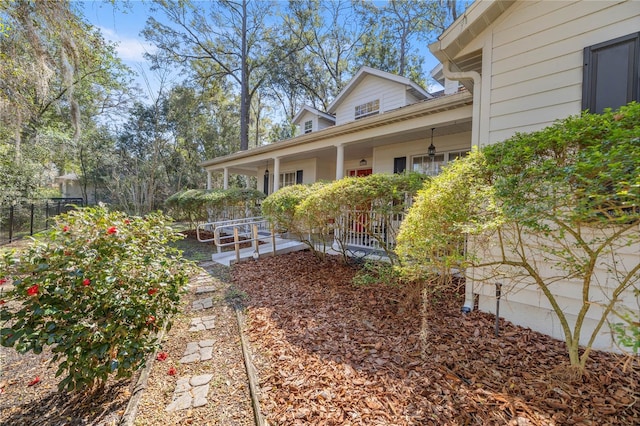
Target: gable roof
{"type": "Point", "coordinates": [415, 89]}
{"type": "Point", "coordinates": [312, 110]}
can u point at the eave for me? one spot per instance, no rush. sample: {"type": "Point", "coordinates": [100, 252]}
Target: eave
{"type": "Point", "coordinates": [413, 111]}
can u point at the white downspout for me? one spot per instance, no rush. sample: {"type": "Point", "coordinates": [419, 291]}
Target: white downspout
{"type": "Point", "coordinates": [477, 95]}
{"type": "Point", "coordinates": [475, 142]}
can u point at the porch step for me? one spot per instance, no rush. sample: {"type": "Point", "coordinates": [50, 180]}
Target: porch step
{"type": "Point", "coordinates": [283, 246]}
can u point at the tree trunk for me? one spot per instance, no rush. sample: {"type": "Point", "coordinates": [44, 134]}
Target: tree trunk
{"type": "Point", "coordinates": [244, 95]}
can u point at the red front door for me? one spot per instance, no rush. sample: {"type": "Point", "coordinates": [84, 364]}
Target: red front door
{"type": "Point", "coordinates": [360, 172]}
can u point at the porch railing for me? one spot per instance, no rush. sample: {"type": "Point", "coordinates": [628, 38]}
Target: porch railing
{"type": "Point", "coordinates": [368, 229]}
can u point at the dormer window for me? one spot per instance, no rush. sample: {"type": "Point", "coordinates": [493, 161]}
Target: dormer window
{"type": "Point", "coordinates": [367, 109]}
{"type": "Point", "coordinates": [308, 126]}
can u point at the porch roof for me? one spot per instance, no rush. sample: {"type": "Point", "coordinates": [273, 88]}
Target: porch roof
{"type": "Point", "coordinates": [328, 137]}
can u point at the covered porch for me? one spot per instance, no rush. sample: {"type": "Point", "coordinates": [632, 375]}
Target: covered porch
{"type": "Point", "coordinates": [387, 143]}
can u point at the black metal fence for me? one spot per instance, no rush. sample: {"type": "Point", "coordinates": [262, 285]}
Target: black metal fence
{"type": "Point", "coordinates": [20, 220]}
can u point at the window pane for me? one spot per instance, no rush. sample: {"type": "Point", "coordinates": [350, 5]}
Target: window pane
{"type": "Point", "coordinates": [367, 109]}
{"type": "Point", "coordinates": [610, 77]}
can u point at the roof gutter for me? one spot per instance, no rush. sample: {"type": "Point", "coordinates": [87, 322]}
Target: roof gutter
{"type": "Point", "coordinates": [475, 141]}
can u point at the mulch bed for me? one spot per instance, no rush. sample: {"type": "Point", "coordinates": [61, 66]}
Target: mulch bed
{"type": "Point", "coordinates": [330, 353]}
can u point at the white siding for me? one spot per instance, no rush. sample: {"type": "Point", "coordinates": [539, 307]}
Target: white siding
{"type": "Point", "coordinates": [524, 303]}
{"type": "Point", "coordinates": [536, 53]}
{"type": "Point", "coordinates": [392, 95]}
{"type": "Point", "coordinates": [307, 166]}
{"type": "Point", "coordinates": [306, 117]}
{"type": "Point", "coordinates": [325, 170]}
{"type": "Point", "coordinates": [323, 123]}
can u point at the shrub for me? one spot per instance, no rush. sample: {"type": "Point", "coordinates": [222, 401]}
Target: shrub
{"type": "Point", "coordinates": [198, 205]}
{"type": "Point", "coordinates": [558, 209]}
{"type": "Point", "coordinates": [280, 209]}
{"type": "Point", "coordinates": [96, 288]}
{"type": "Point", "coordinates": [360, 199]}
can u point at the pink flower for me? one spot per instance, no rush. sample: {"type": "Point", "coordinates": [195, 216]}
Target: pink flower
{"type": "Point", "coordinates": [86, 282]}
{"type": "Point", "coordinates": [172, 371]}
{"type": "Point", "coordinates": [33, 290]}
{"type": "Point", "coordinates": [3, 280]}
{"type": "Point", "coordinates": [127, 221]}
{"type": "Point", "coordinates": [112, 230]}
{"type": "Point", "coordinates": [36, 380]}
{"type": "Point", "coordinates": [151, 319]}
{"type": "Point", "coordinates": [152, 291]}
{"type": "Point", "coordinates": [65, 228]}
{"type": "Point", "coordinates": [162, 356]}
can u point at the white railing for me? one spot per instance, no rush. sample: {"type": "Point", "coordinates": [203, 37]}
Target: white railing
{"type": "Point", "coordinates": [210, 227]}
{"type": "Point", "coordinates": [238, 231]}
{"type": "Point", "coordinates": [368, 229]}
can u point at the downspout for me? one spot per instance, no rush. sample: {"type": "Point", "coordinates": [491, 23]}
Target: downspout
{"type": "Point", "coordinates": [475, 142]}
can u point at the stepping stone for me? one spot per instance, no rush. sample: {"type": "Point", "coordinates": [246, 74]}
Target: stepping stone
{"type": "Point", "coordinates": [206, 289]}
{"type": "Point", "coordinates": [190, 392]}
{"type": "Point", "coordinates": [202, 323]}
{"type": "Point", "coordinates": [201, 304]}
{"type": "Point", "coordinates": [197, 351]}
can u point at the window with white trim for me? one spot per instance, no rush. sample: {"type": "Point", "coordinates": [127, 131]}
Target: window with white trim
{"type": "Point", "coordinates": [457, 154]}
{"type": "Point", "coordinates": [433, 166]}
{"type": "Point", "coordinates": [290, 178]}
{"type": "Point", "coordinates": [427, 165]}
{"type": "Point", "coordinates": [367, 109]}
{"type": "Point", "coordinates": [308, 126]}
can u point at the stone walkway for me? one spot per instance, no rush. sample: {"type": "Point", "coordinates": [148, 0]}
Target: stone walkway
{"type": "Point", "coordinates": [191, 392]}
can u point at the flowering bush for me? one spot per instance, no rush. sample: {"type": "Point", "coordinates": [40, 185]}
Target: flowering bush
{"type": "Point", "coordinates": [96, 288]}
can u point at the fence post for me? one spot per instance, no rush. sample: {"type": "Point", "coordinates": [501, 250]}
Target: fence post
{"type": "Point", "coordinates": [31, 220]}
{"type": "Point", "coordinates": [11, 223]}
{"type": "Point", "coordinates": [46, 214]}
{"type": "Point", "coordinates": [273, 240]}
{"type": "Point", "coordinates": [256, 243]}
{"type": "Point", "coordinates": [236, 243]}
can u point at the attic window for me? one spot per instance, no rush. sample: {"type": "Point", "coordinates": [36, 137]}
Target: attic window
{"type": "Point", "coordinates": [308, 126]}
{"type": "Point", "coordinates": [367, 109]}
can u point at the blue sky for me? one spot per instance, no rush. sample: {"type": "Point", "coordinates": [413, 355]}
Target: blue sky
{"type": "Point", "coordinates": [123, 26]}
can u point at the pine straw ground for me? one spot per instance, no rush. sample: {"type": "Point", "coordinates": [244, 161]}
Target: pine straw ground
{"type": "Point", "coordinates": [330, 353]}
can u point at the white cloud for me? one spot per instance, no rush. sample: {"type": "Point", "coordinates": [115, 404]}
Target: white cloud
{"type": "Point", "coordinates": [128, 48]}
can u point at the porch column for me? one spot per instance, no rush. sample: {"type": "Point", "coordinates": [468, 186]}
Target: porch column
{"type": "Point", "coordinates": [208, 179]}
{"type": "Point", "coordinates": [339, 162]}
{"type": "Point", "coordinates": [225, 184]}
{"type": "Point", "coordinates": [276, 174]}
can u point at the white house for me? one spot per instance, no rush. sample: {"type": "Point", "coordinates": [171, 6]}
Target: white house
{"type": "Point", "coordinates": [523, 64]}
{"type": "Point", "coordinates": [529, 63]}
{"type": "Point", "coordinates": [379, 123]}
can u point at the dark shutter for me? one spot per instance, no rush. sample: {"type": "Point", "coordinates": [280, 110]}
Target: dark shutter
{"type": "Point", "coordinates": [399, 164]}
{"type": "Point", "coordinates": [265, 187]}
{"type": "Point", "coordinates": [611, 76]}
{"type": "Point", "coordinates": [299, 176]}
